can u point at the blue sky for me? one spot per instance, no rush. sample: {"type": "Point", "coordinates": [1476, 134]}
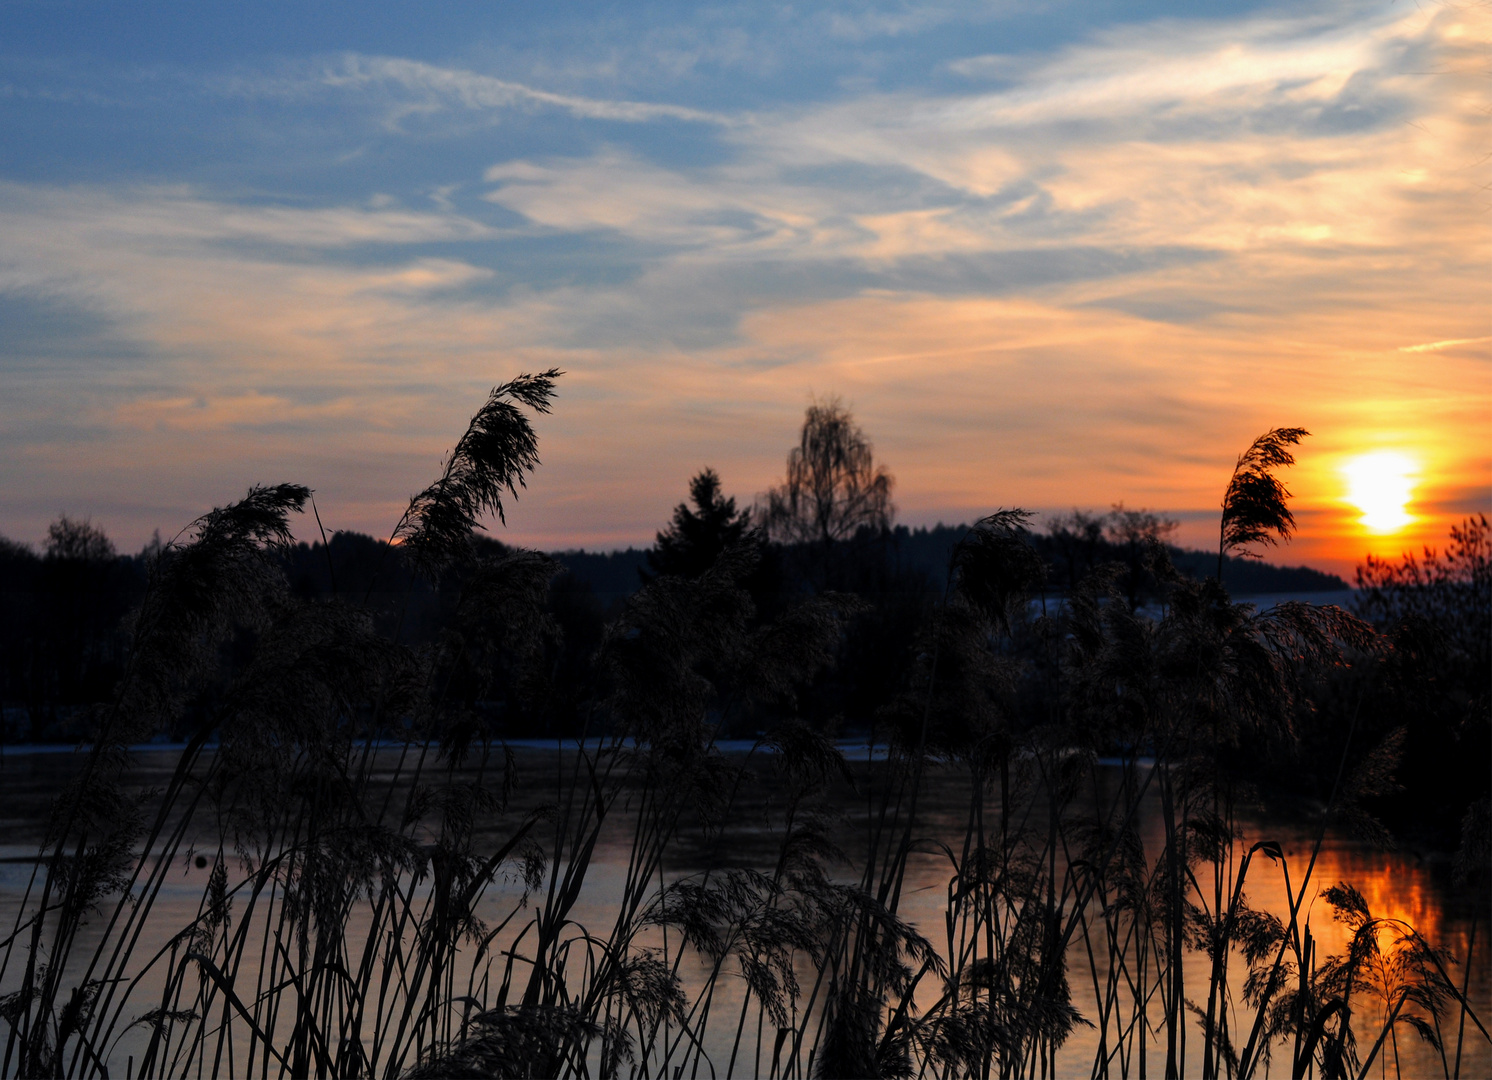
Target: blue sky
{"type": "Point", "coordinates": [1051, 254]}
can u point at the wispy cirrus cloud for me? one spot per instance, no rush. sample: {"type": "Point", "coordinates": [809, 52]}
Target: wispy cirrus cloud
{"type": "Point", "coordinates": [431, 86]}
{"type": "Point", "coordinates": [740, 208]}
{"type": "Point", "coordinates": [1437, 346]}
{"type": "Point", "coordinates": [160, 217]}
{"type": "Point", "coordinates": [1259, 132]}
{"type": "Point", "coordinates": [1165, 69]}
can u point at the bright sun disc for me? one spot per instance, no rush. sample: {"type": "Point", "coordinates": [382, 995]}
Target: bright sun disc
{"type": "Point", "coordinates": [1380, 485]}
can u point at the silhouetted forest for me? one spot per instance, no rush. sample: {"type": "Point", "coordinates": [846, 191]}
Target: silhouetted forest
{"type": "Point", "coordinates": [923, 552]}
{"type": "Point", "coordinates": [345, 713]}
{"type": "Point", "coordinates": [63, 640]}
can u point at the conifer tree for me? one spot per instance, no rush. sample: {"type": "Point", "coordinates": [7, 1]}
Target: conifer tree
{"type": "Point", "coordinates": [696, 537]}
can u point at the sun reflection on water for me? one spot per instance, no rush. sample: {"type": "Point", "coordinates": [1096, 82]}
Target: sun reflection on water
{"type": "Point", "coordinates": [1392, 888]}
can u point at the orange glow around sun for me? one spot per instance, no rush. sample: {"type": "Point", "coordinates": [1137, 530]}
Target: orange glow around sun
{"type": "Point", "coordinates": [1381, 484]}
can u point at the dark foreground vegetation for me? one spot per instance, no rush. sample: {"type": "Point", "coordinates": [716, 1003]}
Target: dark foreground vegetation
{"type": "Point", "coordinates": [376, 903]}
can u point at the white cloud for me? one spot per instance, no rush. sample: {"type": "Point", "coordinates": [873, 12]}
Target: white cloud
{"type": "Point", "coordinates": [1190, 134]}
{"type": "Point", "coordinates": [733, 209]}
{"type": "Point", "coordinates": [1188, 83]}
{"type": "Point", "coordinates": [1193, 67]}
{"type": "Point", "coordinates": [470, 90]}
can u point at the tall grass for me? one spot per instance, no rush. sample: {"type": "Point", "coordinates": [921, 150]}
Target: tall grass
{"type": "Point", "coordinates": [376, 904]}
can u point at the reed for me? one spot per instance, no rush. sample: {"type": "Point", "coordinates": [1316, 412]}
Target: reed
{"type": "Point", "coordinates": [377, 903]}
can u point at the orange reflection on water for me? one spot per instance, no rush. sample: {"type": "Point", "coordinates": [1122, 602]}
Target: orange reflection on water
{"type": "Point", "coordinates": [1393, 887]}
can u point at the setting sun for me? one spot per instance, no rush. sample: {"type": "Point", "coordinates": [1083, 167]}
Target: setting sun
{"type": "Point", "coordinates": [1380, 485]}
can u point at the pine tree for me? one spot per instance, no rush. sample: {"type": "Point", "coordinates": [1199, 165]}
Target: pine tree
{"type": "Point", "coordinates": [696, 537]}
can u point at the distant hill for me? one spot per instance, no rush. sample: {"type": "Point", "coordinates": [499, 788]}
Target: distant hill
{"type": "Point", "coordinates": [608, 574]}
{"type": "Point", "coordinates": [912, 554]}
{"type": "Point", "coordinates": [1247, 577]}
{"type": "Point", "coordinates": [924, 552]}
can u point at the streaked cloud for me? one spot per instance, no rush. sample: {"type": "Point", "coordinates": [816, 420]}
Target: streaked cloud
{"type": "Point", "coordinates": [169, 217]}
{"type": "Point", "coordinates": [432, 86]}
{"type": "Point", "coordinates": [1436, 346]}
{"type": "Point", "coordinates": [1161, 71]}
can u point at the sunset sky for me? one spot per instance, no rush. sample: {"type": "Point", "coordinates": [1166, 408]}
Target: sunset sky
{"type": "Point", "coordinates": [1051, 254]}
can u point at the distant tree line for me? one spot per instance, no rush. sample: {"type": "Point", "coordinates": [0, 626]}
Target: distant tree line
{"type": "Point", "coordinates": [1073, 545]}
{"type": "Point", "coordinates": [61, 642]}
